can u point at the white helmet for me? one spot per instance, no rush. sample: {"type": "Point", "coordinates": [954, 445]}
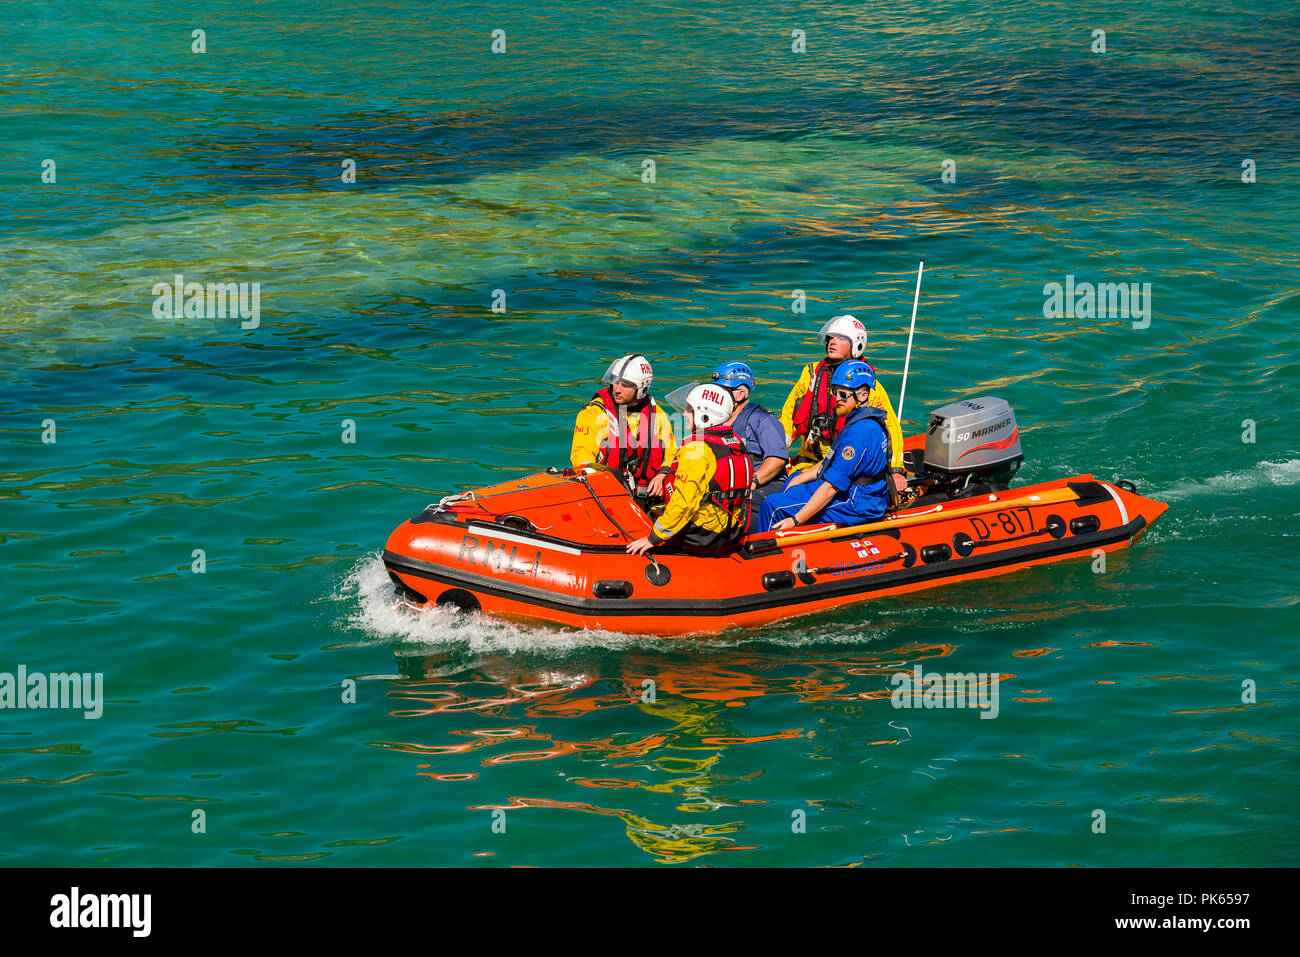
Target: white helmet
{"type": "Point", "coordinates": [710, 404]}
{"type": "Point", "coordinates": [852, 330]}
{"type": "Point", "coordinates": [633, 369]}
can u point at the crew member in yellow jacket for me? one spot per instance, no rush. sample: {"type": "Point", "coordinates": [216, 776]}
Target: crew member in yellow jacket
{"type": "Point", "coordinates": [614, 428]}
{"type": "Point", "coordinates": [809, 412]}
{"type": "Point", "coordinates": [707, 491]}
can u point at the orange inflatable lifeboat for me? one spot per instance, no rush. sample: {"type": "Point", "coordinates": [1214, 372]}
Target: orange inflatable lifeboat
{"type": "Point", "coordinates": [550, 547]}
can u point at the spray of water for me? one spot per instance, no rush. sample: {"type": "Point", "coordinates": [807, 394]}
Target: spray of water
{"type": "Point", "coordinates": [1259, 476]}
{"type": "Point", "coordinates": [371, 607]}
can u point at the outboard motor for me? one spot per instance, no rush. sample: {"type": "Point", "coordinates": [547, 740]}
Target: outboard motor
{"type": "Point", "coordinates": [971, 447]}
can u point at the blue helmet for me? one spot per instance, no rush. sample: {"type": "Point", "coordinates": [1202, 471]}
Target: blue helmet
{"type": "Point", "coordinates": [854, 374]}
{"type": "Point", "coordinates": [731, 374]}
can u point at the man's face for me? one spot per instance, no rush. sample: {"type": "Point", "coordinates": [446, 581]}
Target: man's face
{"type": "Point", "coordinates": [846, 400]}
{"type": "Point", "coordinates": [838, 347]}
{"type": "Point", "coordinates": [623, 391]}
{"type": "Point", "coordinates": [689, 418]}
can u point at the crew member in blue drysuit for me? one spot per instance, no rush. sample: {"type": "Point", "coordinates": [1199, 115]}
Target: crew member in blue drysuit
{"type": "Point", "coordinates": [761, 432]}
{"type": "Point", "coordinates": [849, 486]}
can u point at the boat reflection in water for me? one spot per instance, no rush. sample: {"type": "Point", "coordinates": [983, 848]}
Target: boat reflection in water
{"type": "Point", "coordinates": [684, 713]}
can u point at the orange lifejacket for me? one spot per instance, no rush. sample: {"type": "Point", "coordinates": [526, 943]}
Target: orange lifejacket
{"type": "Point", "coordinates": [734, 471]}
{"type": "Point", "coordinates": [640, 455]}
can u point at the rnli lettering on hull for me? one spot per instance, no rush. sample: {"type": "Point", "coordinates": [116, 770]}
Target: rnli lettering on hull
{"type": "Point", "coordinates": [493, 557]}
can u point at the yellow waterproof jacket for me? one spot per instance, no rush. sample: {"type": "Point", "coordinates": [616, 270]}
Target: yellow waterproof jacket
{"type": "Point", "coordinates": [808, 452]}
{"type": "Point", "coordinates": [592, 427]}
{"type": "Point", "coordinates": [696, 465]}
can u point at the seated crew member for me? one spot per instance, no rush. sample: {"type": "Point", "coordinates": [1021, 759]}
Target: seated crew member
{"type": "Point", "coordinates": [761, 432]}
{"type": "Point", "coordinates": [809, 411]}
{"type": "Point", "coordinates": [849, 487]}
{"type": "Point", "coordinates": [622, 427]}
{"type": "Point", "coordinates": [707, 491]}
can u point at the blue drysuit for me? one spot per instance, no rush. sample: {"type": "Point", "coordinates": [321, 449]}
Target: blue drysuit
{"type": "Point", "coordinates": [856, 467]}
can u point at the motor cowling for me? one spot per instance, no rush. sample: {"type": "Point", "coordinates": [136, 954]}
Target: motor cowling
{"type": "Point", "coordinates": [978, 438]}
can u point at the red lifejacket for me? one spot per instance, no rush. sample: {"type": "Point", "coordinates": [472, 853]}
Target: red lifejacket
{"type": "Point", "coordinates": [733, 474]}
{"type": "Point", "coordinates": [639, 455]}
{"type": "Point", "coordinates": [819, 401]}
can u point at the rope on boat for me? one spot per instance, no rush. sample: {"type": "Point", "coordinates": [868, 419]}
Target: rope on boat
{"type": "Point", "coordinates": [601, 506]}
{"type": "Point", "coordinates": [446, 500]}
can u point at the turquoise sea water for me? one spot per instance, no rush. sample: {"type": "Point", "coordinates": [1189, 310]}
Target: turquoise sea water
{"type": "Point", "coordinates": [522, 171]}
